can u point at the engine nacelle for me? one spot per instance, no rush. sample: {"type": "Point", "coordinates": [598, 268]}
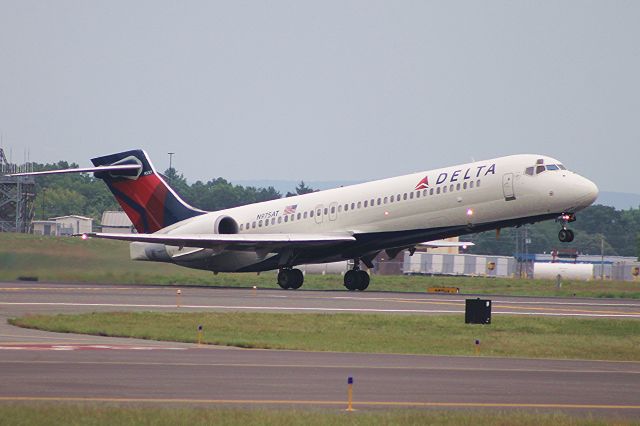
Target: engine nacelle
{"type": "Point", "coordinates": [226, 225]}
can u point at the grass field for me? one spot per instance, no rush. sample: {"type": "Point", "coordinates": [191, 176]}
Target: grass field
{"type": "Point", "coordinates": [69, 259]}
{"type": "Point", "coordinates": [511, 336]}
{"type": "Point", "coordinates": [105, 414]}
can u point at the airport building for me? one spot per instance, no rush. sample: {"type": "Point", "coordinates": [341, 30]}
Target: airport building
{"type": "Point", "coordinates": [116, 222]}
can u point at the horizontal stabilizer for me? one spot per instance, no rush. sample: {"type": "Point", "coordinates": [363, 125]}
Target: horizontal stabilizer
{"type": "Point", "coordinates": [117, 167]}
{"type": "Point", "coordinates": [231, 241]}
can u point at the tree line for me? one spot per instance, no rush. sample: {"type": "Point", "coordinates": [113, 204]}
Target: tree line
{"type": "Point", "coordinates": [597, 226]}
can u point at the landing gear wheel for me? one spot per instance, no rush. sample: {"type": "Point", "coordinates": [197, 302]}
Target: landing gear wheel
{"type": "Point", "coordinates": [565, 235]}
{"type": "Point", "coordinates": [351, 280]}
{"type": "Point", "coordinates": [356, 279]}
{"type": "Point", "coordinates": [284, 279]}
{"type": "Point", "coordinates": [290, 278]}
{"type": "Point", "coordinates": [364, 280]}
{"type": "Point", "coordinates": [298, 279]}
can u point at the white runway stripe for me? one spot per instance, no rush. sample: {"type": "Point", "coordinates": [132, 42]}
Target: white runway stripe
{"type": "Point", "coordinates": [308, 309]}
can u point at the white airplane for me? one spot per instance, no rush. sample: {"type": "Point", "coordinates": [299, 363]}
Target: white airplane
{"type": "Point", "coordinates": [353, 222]}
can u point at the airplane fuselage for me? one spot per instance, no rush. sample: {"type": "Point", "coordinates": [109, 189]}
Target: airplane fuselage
{"type": "Point", "coordinates": [390, 213]}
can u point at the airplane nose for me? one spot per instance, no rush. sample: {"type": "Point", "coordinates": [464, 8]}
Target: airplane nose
{"type": "Point", "coordinates": [587, 191]}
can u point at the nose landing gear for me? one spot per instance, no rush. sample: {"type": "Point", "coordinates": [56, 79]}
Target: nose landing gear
{"type": "Point", "coordinates": [566, 235]}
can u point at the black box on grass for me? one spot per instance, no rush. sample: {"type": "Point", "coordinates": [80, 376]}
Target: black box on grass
{"type": "Point", "coordinates": [477, 311]}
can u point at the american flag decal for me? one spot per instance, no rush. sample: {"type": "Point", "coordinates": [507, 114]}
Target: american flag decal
{"type": "Point", "coordinates": [290, 209]}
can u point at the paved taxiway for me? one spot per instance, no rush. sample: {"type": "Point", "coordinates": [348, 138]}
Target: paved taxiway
{"type": "Point", "coordinates": [36, 365]}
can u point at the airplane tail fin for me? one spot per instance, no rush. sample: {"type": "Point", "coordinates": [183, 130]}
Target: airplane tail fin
{"type": "Point", "coordinates": [142, 193]}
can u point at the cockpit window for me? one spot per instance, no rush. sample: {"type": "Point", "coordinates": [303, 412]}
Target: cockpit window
{"type": "Point", "coordinates": [562, 167]}
{"type": "Point", "coordinates": [540, 169]}
{"type": "Point", "coordinates": [552, 167]}
{"type": "Point", "coordinates": [528, 171]}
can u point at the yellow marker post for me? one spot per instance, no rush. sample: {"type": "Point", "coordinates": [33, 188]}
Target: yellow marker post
{"type": "Point", "coordinates": [255, 290]}
{"type": "Point", "coordinates": [477, 347]}
{"type": "Point", "coordinates": [350, 394]}
{"type": "Point", "coordinates": [178, 293]}
{"type": "Point", "coordinates": [200, 335]}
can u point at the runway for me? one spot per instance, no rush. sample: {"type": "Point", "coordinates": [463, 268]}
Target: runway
{"type": "Point", "coordinates": [38, 366]}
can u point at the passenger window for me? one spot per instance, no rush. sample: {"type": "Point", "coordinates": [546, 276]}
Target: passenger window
{"type": "Point", "coordinates": [404, 196]}
{"type": "Point", "coordinates": [366, 203]}
{"type": "Point", "coordinates": [451, 188]}
{"type": "Point", "coordinates": [372, 202]}
{"type": "Point", "coordinates": [391, 199]}
{"type": "Point", "coordinates": [359, 204]}
{"type": "Point", "coordinates": [478, 184]}
{"type": "Point", "coordinates": [280, 219]}
{"type": "Point", "coordinates": [424, 192]}
{"type": "Point", "coordinates": [471, 184]}
{"type": "Point", "coordinates": [353, 206]}
{"type": "Point", "coordinates": [417, 194]}
{"type": "Point", "coordinates": [346, 207]}
{"type": "Point", "coordinates": [260, 224]}
{"type": "Point", "coordinates": [253, 225]}
{"type": "Point", "coordinates": [430, 191]}
{"type": "Point", "coordinates": [286, 218]}
{"type": "Point", "coordinates": [438, 190]}
{"type": "Point", "coordinates": [273, 220]}
{"type": "Point", "coordinates": [304, 216]}
{"type": "Point", "coordinates": [444, 189]}
{"type": "Point", "coordinates": [379, 201]}
{"type": "Point", "coordinates": [385, 200]}
{"type": "Point", "coordinates": [411, 195]}
{"type": "Point", "coordinates": [299, 216]}
{"type": "Point", "coordinates": [458, 187]}
{"type": "Point", "coordinates": [318, 212]}
{"type": "Point", "coordinates": [464, 185]}
{"type": "Point", "coordinates": [326, 211]}
{"type": "Point", "coordinates": [311, 213]}
{"type": "Point", "coordinates": [333, 210]}
{"type": "Point", "coordinates": [241, 226]}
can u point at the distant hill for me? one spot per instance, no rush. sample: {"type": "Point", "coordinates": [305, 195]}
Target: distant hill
{"type": "Point", "coordinates": [619, 200]}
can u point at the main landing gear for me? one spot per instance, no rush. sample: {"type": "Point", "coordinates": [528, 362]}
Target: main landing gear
{"type": "Point", "coordinates": [290, 278]}
{"type": "Point", "coordinates": [356, 279]}
{"type": "Point", "coordinates": [566, 235]}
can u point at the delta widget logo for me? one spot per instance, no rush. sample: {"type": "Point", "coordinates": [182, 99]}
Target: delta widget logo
{"type": "Point", "coordinates": [423, 184]}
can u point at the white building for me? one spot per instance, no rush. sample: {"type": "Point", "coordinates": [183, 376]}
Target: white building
{"type": "Point", "coordinates": [74, 224]}
{"type": "Point", "coordinates": [116, 222]}
{"type": "Point", "coordinates": [46, 227]}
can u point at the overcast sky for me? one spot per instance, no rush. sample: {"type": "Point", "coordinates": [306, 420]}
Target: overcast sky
{"type": "Point", "coordinates": [324, 90]}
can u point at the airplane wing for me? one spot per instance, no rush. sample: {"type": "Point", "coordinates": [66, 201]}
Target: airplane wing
{"type": "Point", "coordinates": [230, 241]}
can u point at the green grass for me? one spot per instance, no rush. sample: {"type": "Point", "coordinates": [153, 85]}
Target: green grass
{"type": "Point", "coordinates": [511, 336]}
{"type": "Point", "coordinates": [109, 414]}
{"type": "Point", "coordinates": [67, 259]}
